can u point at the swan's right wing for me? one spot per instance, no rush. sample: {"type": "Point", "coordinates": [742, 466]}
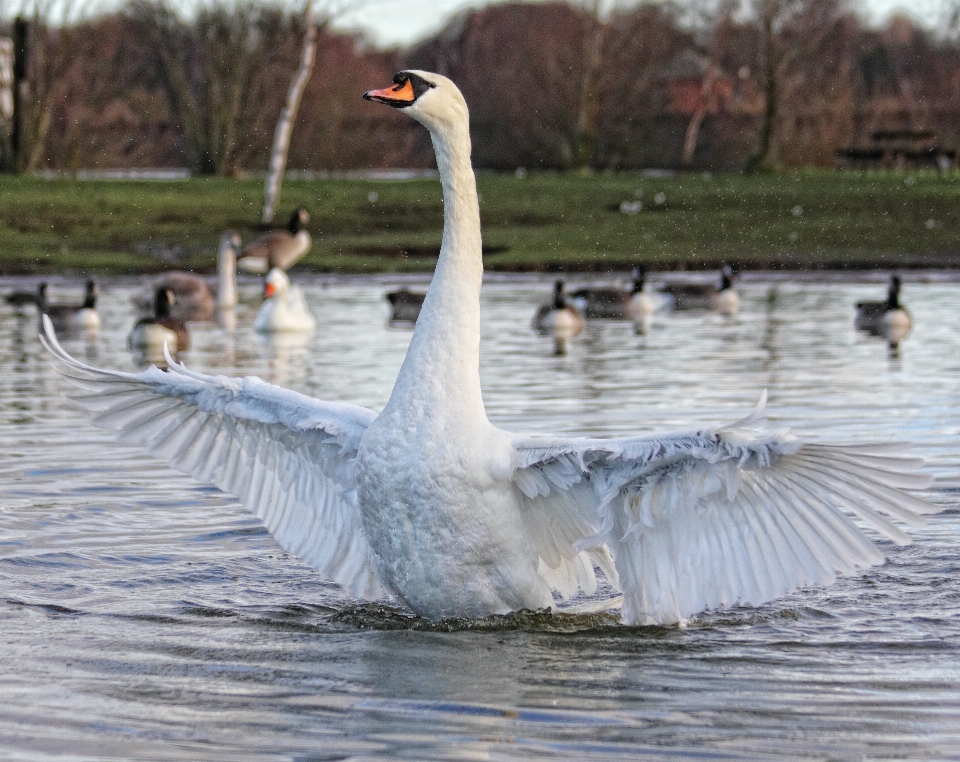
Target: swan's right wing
{"type": "Point", "coordinates": [715, 517]}
{"type": "Point", "coordinates": [288, 457]}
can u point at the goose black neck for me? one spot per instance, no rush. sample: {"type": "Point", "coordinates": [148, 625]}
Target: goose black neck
{"type": "Point", "coordinates": [294, 225]}
{"type": "Point", "coordinates": [161, 303]}
{"type": "Point", "coordinates": [90, 297]}
{"type": "Point", "coordinates": [639, 278]}
{"type": "Point", "coordinates": [559, 299]}
{"type": "Point", "coordinates": [893, 295]}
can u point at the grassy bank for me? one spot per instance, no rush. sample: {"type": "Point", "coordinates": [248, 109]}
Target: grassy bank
{"type": "Point", "coordinates": [802, 220]}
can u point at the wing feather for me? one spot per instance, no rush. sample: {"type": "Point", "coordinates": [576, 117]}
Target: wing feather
{"type": "Point", "coordinates": [716, 517]}
{"type": "Point", "coordinates": [289, 458]}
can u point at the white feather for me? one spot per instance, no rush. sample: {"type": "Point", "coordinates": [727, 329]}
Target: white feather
{"type": "Point", "coordinates": [289, 458]}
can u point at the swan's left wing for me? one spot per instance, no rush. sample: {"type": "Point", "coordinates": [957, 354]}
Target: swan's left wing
{"type": "Point", "coordinates": [288, 457]}
{"type": "Point", "coordinates": [715, 517]}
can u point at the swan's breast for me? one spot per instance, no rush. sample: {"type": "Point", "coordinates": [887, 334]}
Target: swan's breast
{"type": "Point", "coordinates": [443, 518]}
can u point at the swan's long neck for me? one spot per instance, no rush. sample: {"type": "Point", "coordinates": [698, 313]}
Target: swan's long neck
{"type": "Point", "coordinates": [443, 361]}
{"type": "Point", "coordinates": [226, 275]}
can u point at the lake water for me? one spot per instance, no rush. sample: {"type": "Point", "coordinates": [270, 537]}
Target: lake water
{"type": "Point", "coordinates": [144, 616]}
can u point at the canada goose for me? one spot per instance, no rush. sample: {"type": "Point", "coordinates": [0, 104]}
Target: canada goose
{"type": "Point", "coordinates": [278, 248]}
{"type": "Point", "coordinates": [641, 306]}
{"type": "Point", "coordinates": [404, 305]}
{"type": "Point", "coordinates": [430, 505]}
{"type": "Point", "coordinates": [285, 308]}
{"type": "Point", "coordinates": [888, 318]}
{"type": "Point", "coordinates": [194, 299]}
{"type": "Point", "coordinates": [705, 296]}
{"type": "Point", "coordinates": [71, 316]}
{"type": "Point", "coordinates": [612, 303]}
{"type": "Point", "coordinates": [22, 298]}
{"type": "Point", "coordinates": [149, 334]}
{"type": "Point", "coordinates": [558, 317]}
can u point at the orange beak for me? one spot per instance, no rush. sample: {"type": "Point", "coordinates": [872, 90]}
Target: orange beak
{"type": "Point", "coordinates": [269, 290]}
{"type": "Point", "coordinates": [397, 96]}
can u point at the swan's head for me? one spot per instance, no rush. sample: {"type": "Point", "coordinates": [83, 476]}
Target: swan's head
{"type": "Point", "coordinates": [431, 99]}
{"type": "Point", "coordinates": [229, 244]}
{"type": "Point", "coordinates": [277, 283]}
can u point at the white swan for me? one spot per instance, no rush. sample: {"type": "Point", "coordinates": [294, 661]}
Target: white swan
{"type": "Point", "coordinates": [285, 308]}
{"type": "Point", "coordinates": [431, 504]}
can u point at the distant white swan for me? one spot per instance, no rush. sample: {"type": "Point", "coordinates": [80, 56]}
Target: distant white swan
{"type": "Point", "coordinates": [285, 308]}
{"type": "Point", "coordinates": [431, 504]}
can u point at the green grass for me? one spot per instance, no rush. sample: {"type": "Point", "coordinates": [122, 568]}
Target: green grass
{"type": "Point", "coordinates": [544, 222]}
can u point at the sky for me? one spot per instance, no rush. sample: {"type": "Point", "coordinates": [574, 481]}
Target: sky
{"type": "Point", "coordinates": [401, 22]}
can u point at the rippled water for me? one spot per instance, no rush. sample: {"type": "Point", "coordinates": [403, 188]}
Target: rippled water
{"type": "Point", "coordinates": [144, 616]}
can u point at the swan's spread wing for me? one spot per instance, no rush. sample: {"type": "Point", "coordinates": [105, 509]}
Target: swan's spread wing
{"type": "Point", "coordinates": [715, 517]}
{"type": "Point", "coordinates": [289, 458]}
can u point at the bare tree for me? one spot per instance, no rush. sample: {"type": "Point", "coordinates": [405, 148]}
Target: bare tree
{"type": "Point", "coordinates": [222, 73]}
{"type": "Point", "coordinates": [588, 106]}
{"type": "Point", "coordinates": [281, 136]}
{"type": "Point", "coordinates": [793, 34]}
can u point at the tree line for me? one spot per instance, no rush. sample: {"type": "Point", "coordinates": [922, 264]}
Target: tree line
{"type": "Point", "coordinates": [704, 84]}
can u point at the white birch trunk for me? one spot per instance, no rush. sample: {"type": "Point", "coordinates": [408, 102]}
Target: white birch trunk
{"type": "Point", "coordinates": [693, 128]}
{"type": "Point", "coordinates": [281, 137]}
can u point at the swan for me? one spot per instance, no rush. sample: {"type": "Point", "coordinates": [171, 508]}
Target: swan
{"type": "Point", "coordinates": [194, 298]}
{"type": "Point", "coordinates": [888, 318]}
{"type": "Point", "coordinates": [71, 317]}
{"type": "Point", "coordinates": [150, 334]}
{"type": "Point", "coordinates": [278, 248]}
{"type": "Point", "coordinates": [404, 305]}
{"type": "Point", "coordinates": [558, 317]}
{"type": "Point", "coordinates": [705, 296]}
{"type": "Point", "coordinates": [285, 308]}
{"type": "Point", "coordinates": [615, 303]}
{"type": "Point", "coordinates": [429, 504]}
